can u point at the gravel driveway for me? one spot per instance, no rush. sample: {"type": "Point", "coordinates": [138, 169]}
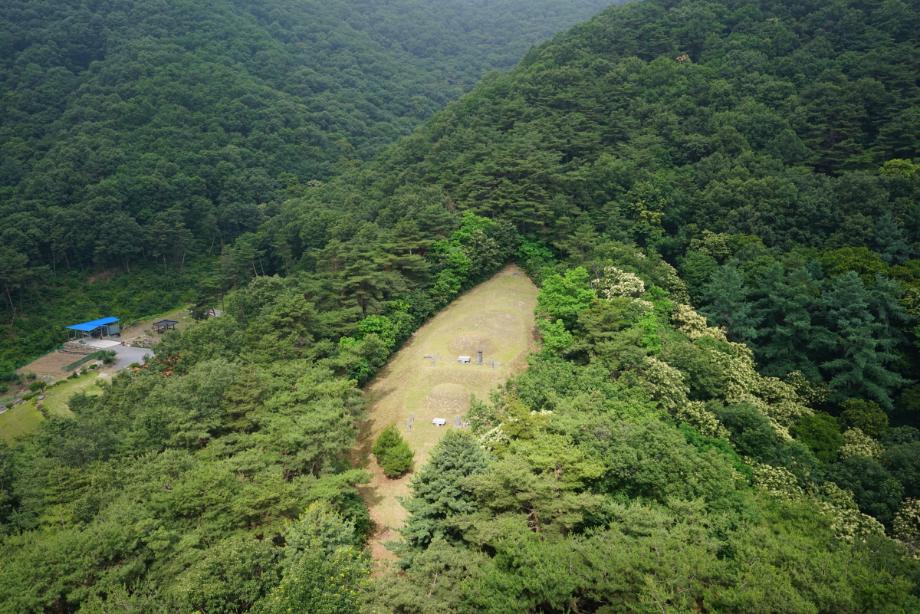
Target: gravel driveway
{"type": "Point", "coordinates": [126, 356]}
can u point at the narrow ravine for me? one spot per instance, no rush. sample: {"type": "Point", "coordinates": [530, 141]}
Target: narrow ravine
{"type": "Point", "coordinates": [425, 380]}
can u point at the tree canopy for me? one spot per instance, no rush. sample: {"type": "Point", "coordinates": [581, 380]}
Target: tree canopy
{"type": "Point", "coordinates": [139, 133]}
{"type": "Point", "coordinates": [720, 203]}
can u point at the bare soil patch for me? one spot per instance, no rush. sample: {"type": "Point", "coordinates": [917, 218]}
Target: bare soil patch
{"type": "Point", "coordinates": [50, 367]}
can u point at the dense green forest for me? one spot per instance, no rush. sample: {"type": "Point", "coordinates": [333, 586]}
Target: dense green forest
{"type": "Point", "coordinates": [138, 132]}
{"type": "Point", "coordinates": [719, 201]}
{"type": "Point", "coordinates": [184, 118]}
{"type": "Point", "coordinates": [739, 142]}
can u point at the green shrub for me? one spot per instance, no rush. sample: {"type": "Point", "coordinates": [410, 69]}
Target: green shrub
{"type": "Point", "coordinates": [877, 492]}
{"type": "Point", "coordinates": [899, 434]}
{"type": "Point", "coordinates": [388, 438]}
{"type": "Point", "coordinates": [106, 356]}
{"type": "Point", "coordinates": [819, 431]}
{"type": "Point", "coordinates": [704, 443]}
{"type": "Point", "coordinates": [398, 461]}
{"type": "Point", "coordinates": [867, 416]}
{"type": "Point", "coordinates": [393, 453]}
{"type": "Point", "coordinates": [750, 431]}
{"type": "Point", "coordinates": [752, 435]}
{"type": "Point", "coordinates": [903, 462]}
{"type": "Point", "coordinates": [37, 386]}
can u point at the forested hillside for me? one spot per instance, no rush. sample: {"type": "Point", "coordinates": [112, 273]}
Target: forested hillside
{"type": "Point", "coordinates": [137, 132]}
{"type": "Point", "coordinates": [174, 122]}
{"type": "Point", "coordinates": [766, 151]}
{"type": "Point", "coordinates": [719, 201]}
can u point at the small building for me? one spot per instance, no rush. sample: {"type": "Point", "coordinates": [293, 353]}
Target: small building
{"type": "Point", "coordinates": [97, 329]}
{"type": "Point", "coordinates": [164, 325]}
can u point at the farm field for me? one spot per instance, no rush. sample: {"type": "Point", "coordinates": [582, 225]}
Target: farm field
{"type": "Point", "coordinates": [424, 380]}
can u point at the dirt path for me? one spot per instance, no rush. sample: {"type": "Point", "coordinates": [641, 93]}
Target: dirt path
{"type": "Point", "coordinates": [424, 380]}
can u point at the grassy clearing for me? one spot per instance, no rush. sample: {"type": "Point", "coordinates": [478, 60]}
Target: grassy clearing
{"type": "Point", "coordinates": [58, 396]}
{"type": "Point", "coordinates": [424, 381]}
{"type": "Point", "coordinates": [19, 421]}
{"type": "Point", "coordinates": [25, 417]}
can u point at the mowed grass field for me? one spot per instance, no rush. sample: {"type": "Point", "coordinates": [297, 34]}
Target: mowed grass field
{"type": "Point", "coordinates": [424, 381]}
{"type": "Point", "coordinates": [25, 417]}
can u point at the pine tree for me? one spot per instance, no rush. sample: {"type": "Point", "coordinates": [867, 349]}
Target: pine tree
{"type": "Point", "coordinates": [859, 349]}
{"type": "Point", "coordinates": [393, 453]}
{"type": "Point", "coordinates": [885, 304]}
{"type": "Point", "coordinates": [726, 303]}
{"type": "Point", "coordinates": [891, 240]}
{"type": "Point", "coordinates": [438, 489]}
{"type": "Point", "coordinates": [362, 269]}
{"type": "Point", "coordinates": [784, 311]}
{"type": "Point", "coordinates": [408, 244]}
{"type": "Point", "coordinates": [14, 270]}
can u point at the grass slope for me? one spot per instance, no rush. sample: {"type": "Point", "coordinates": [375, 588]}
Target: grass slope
{"type": "Point", "coordinates": [425, 381]}
{"type": "Point", "coordinates": [25, 417]}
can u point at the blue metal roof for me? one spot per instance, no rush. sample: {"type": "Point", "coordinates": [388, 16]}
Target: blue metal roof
{"type": "Point", "coordinates": [88, 327]}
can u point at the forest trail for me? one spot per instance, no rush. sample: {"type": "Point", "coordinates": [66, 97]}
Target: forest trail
{"type": "Point", "coordinates": [424, 380]}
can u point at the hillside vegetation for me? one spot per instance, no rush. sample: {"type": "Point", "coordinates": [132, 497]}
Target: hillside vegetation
{"type": "Point", "coordinates": [425, 380]}
{"type": "Point", "coordinates": [140, 133]}
{"type": "Point", "coordinates": [719, 203]}
{"type": "Point", "coordinates": [740, 141]}
{"type": "Point", "coordinates": [129, 121]}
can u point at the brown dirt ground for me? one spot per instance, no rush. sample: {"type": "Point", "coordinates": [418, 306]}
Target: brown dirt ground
{"type": "Point", "coordinates": [143, 328]}
{"type": "Point", "coordinates": [424, 381]}
{"type": "Point", "coordinates": [50, 367]}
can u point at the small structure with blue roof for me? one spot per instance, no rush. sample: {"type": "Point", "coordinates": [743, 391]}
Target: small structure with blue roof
{"type": "Point", "coordinates": [103, 327]}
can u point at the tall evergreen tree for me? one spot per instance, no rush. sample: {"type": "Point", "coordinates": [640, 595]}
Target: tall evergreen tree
{"type": "Point", "coordinates": [725, 302]}
{"type": "Point", "coordinates": [438, 492]}
{"type": "Point", "coordinates": [784, 309]}
{"type": "Point", "coordinates": [858, 349]}
{"type": "Point", "coordinates": [891, 240]}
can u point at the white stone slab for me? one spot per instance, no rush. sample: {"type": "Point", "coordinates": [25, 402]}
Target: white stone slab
{"type": "Point", "coordinates": [102, 344]}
